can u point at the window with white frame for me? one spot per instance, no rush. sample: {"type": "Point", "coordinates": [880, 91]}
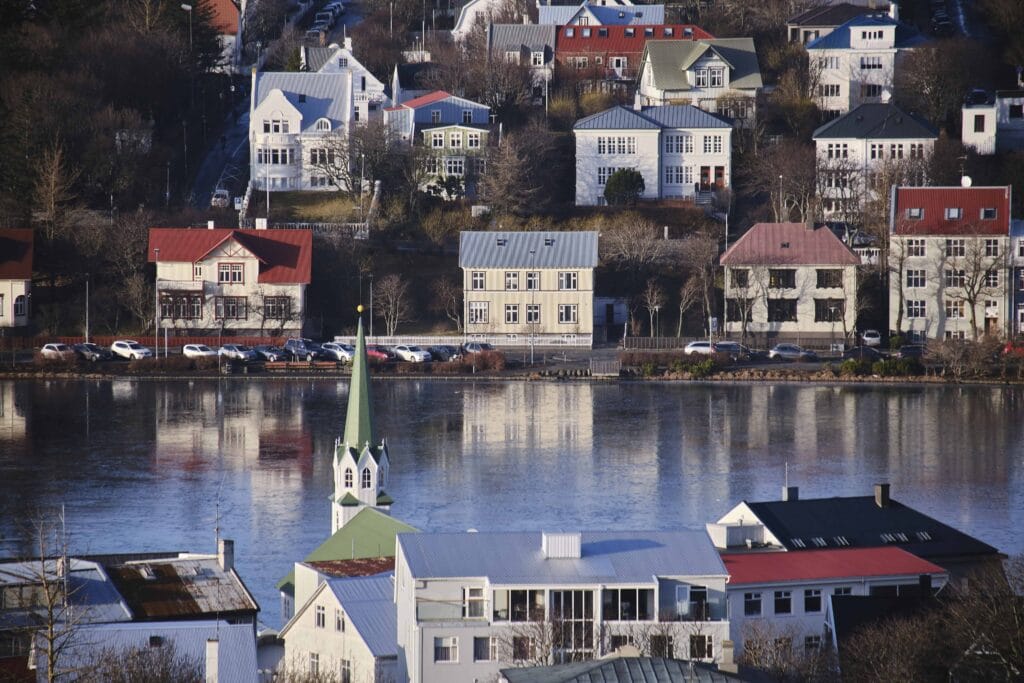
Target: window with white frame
{"type": "Point", "coordinates": [276, 307]}
{"type": "Point", "coordinates": [323, 125]}
{"type": "Point", "coordinates": [991, 247]}
{"type": "Point", "coordinates": [20, 306]}
{"type": "Point", "coordinates": [676, 144]}
{"type": "Point", "coordinates": [915, 213]}
{"type": "Point", "coordinates": [366, 478]}
{"type": "Point", "coordinates": [478, 312]}
{"type": "Point", "coordinates": [346, 671]}
{"type": "Point", "coordinates": [915, 247]}
{"type": "Point", "coordinates": [954, 213]}
{"type": "Point", "coordinates": [838, 150]}
{"type": "Point", "coordinates": [954, 309]}
{"type": "Point", "coordinates": [339, 620]}
{"type": "Point", "coordinates": [275, 126]}
{"type": "Point", "coordinates": [533, 280]}
{"type": "Point", "coordinates": [619, 144]}
{"type": "Point", "coordinates": [511, 280]}
{"type": "Point", "coordinates": [511, 314]}
{"type": "Point", "coordinates": [992, 279]}
{"type": "Point", "coordinates": [955, 247]}
{"type": "Point", "coordinates": [226, 308]}
{"type": "Point", "coordinates": [485, 649]}
{"type": "Point", "coordinates": [955, 277]}
{"type": "Point", "coordinates": [230, 273]}
{"type": "Point", "coordinates": [752, 604]}
{"type": "Point", "coordinates": [701, 647]}
{"type": "Point", "coordinates": [828, 90]}
{"type": "Point", "coordinates": [532, 314]}
{"type": "Point", "coordinates": [917, 150]}
{"type": "Point", "coordinates": [473, 603]}
{"type": "Point", "coordinates": [895, 151]}
{"type": "Point", "coordinates": [987, 214]}
{"type": "Point", "coordinates": [712, 144]}
{"type": "Point", "coordinates": [783, 602]}
{"type": "Point", "coordinates": [435, 116]}
{"type": "Point", "coordinates": [537, 58]}
{"type": "Point", "coordinates": [717, 78]}
{"type": "Point", "coordinates": [349, 477]}
{"type": "Point", "coordinates": [876, 150]}
{"type": "Point", "coordinates": [455, 166]}
{"type": "Point", "coordinates": [604, 173]}
{"type": "Point", "coordinates": [473, 140]}
{"type": "Point", "coordinates": [870, 63]}
{"type": "Point", "coordinates": [870, 90]}
{"type": "Point", "coordinates": [673, 175]}
{"type": "Point", "coordinates": [197, 271]}
{"type": "Point", "coordinates": [446, 649]}
{"type": "Point", "coordinates": [320, 616]}
{"type": "Point", "coordinates": [812, 644]}
{"type": "Point", "coordinates": [455, 140]}
{"type": "Point", "coordinates": [916, 308]}
{"type": "Point", "coordinates": [314, 663]}
{"type": "Point", "coordinates": [828, 62]}
{"type": "Point", "coordinates": [915, 278]}
{"type": "Point", "coordinates": [956, 335]}
{"type": "Point", "coordinates": [567, 314]}
{"type": "Point", "coordinates": [476, 280]}
{"type": "Point", "coordinates": [568, 280]}
{"type": "Point", "coordinates": [436, 140]}
{"type": "Point", "coordinates": [812, 600]}
{"type": "Point", "coordinates": [701, 78]}
{"type": "Point", "coordinates": [842, 590]}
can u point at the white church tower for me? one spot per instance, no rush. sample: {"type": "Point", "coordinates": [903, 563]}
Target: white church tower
{"type": "Point", "coordinates": [360, 465]}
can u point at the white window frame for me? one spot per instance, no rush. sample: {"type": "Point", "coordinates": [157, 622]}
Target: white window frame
{"type": "Point", "coordinates": [478, 312]}
{"type": "Point", "coordinates": [568, 314]}
{"type": "Point", "coordinates": [446, 649]}
{"type": "Point", "coordinates": [532, 314]}
{"type": "Point", "coordinates": [511, 280]}
{"type": "Point", "coordinates": [477, 278]}
{"type": "Point", "coordinates": [320, 616]}
{"type": "Point", "coordinates": [568, 281]}
{"type": "Point", "coordinates": [511, 314]}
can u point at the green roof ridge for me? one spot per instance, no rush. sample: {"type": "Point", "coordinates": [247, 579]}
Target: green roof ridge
{"type": "Point", "coordinates": [348, 500]}
{"type": "Point", "coordinates": [359, 419]}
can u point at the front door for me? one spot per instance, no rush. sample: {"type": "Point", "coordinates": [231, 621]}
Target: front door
{"type": "Point", "coordinates": [705, 177]}
{"type": "Point", "coordinates": [719, 176]}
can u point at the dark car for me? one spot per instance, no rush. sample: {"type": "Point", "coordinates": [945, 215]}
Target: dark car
{"type": "Point", "coordinates": [867, 353]}
{"type": "Point", "coordinates": [477, 347]}
{"type": "Point", "coordinates": [299, 348]}
{"type": "Point", "coordinates": [911, 351]}
{"type": "Point", "coordinates": [91, 352]}
{"type": "Point", "coordinates": [734, 350]}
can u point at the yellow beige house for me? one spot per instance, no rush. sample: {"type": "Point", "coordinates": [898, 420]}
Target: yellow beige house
{"type": "Point", "coordinates": [524, 288]}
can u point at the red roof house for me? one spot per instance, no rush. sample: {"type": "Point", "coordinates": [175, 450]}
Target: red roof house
{"type": "Point", "coordinates": [285, 256]}
{"type": "Point", "coordinates": [951, 211]}
{"type": "Point", "coordinates": [789, 244]}
{"type": "Point", "coordinates": [824, 565]}
{"type": "Point", "coordinates": [617, 49]}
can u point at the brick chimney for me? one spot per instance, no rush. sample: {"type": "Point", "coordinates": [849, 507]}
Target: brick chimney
{"type": "Point", "coordinates": [882, 495]}
{"type": "Point", "coordinates": [212, 660]}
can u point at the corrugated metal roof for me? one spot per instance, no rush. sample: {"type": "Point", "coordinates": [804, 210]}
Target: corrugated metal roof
{"type": "Point", "coordinates": [670, 58]}
{"type": "Point", "coordinates": [650, 118]}
{"type": "Point", "coordinates": [933, 202]}
{"type": "Point", "coordinates": [559, 15]}
{"type": "Point", "coordinates": [622, 670]}
{"type": "Point", "coordinates": [771, 244]}
{"type": "Point", "coordinates": [369, 605]}
{"type": "Point", "coordinates": [285, 256]}
{"type": "Point", "coordinates": [616, 118]}
{"type": "Point", "coordinates": [236, 652]}
{"type": "Point", "coordinates": [515, 557]}
{"type": "Point", "coordinates": [528, 250]}
{"type": "Point", "coordinates": [617, 40]}
{"type": "Point", "coordinates": [16, 254]}
{"type": "Point", "coordinates": [325, 94]}
{"type": "Point", "coordinates": [317, 57]}
{"type": "Point", "coordinates": [848, 563]}
{"type": "Point", "coordinates": [839, 39]}
{"type": "Point", "coordinates": [534, 37]}
{"type": "Point", "coordinates": [91, 592]}
{"type": "Point", "coordinates": [185, 587]}
{"type": "Point", "coordinates": [876, 121]}
{"type": "Point", "coordinates": [832, 15]}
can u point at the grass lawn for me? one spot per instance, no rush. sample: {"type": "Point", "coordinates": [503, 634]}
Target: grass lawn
{"type": "Point", "coordinates": [319, 207]}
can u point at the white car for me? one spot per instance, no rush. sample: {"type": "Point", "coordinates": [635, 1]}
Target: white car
{"type": "Point", "coordinates": [336, 351]}
{"type": "Point", "coordinates": [413, 354]}
{"type": "Point", "coordinates": [198, 351]}
{"type": "Point", "coordinates": [132, 350]}
{"type": "Point", "coordinates": [871, 338]}
{"type": "Point", "coordinates": [704, 348]}
{"type": "Point", "coordinates": [57, 352]}
{"type": "Point", "coordinates": [238, 352]}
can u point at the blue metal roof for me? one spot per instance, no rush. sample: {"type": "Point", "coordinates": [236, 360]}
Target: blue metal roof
{"type": "Point", "coordinates": [616, 118]}
{"type": "Point", "coordinates": [606, 556]}
{"type": "Point", "coordinates": [528, 250]}
{"type": "Point", "coordinates": [369, 605]}
{"type": "Point", "coordinates": [684, 116]}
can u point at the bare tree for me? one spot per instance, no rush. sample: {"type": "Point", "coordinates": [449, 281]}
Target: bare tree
{"type": "Point", "coordinates": [137, 297]}
{"type": "Point", "coordinates": [689, 295]}
{"type": "Point", "coordinates": [364, 152]}
{"type": "Point", "coordinates": [748, 287]}
{"type": "Point", "coordinates": [653, 298]}
{"type": "Point", "coordinates": [776, 652]}
{"type": "Point", "coordinates": [390, 297]}
{"type": "Point", "coordinates": [142, 665]}
{"type": "Point", "coordinates": [973, 269]}
{"type": "Point", "coordinates": [448, 299]}
{"type": "Point", "coordinates": [786, 173]}
{"type": "Point", "coordinates": [53, 188]}
{"type": "Point", "coordinates": [631, 241]}
{"type": "Point", "coordinates": [518, 172]}
{"type": "Point", "coordinates": [699, 256]}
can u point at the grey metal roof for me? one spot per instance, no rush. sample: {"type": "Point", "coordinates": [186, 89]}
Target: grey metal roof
{"type": "Point", "coordinates": [876, 122]}
{"type": "Point", "coordinates": [559, 15]}
{"type": "Point", "coordinates": [671, 58]}
{"type": "Point", "coordinates": [528, 250]}
{"type": "Point", "coordinates": [369, 604]}
{"type": "Point", "coordinates": [534, 37]}
{"type": "Point", "coordinates": [316, 57]}
{"type": "Point", "coordinates": [650, 118]}
{"type": "Point", "coordinates": [236, 652]}
{"type": "Point", "coordinates": [91, 592]}
{"type": "Point", "coordinates": [325, 94]}
{"type": "Point", "coordinates": [606, 556]}
{"type": "Point", "coordinates": [621, 670]}
{"type": "Point", "coordinates": [618, 117]}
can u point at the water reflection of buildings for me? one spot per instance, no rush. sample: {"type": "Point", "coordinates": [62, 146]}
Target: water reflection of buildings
{"type": "Point", "coordinates": [12, 417]}
{"type": "Point", "coordinates": [529, 415]}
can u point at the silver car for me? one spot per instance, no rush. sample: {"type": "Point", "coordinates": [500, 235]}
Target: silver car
{"type": "Point", "coordinates": [336, 351]}
{"type": "Point", "coordinates": [237, 352]}
{"type": "Point", "coordinates": [792, 352]}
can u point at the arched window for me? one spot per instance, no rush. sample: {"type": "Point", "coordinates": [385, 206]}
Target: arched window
{"type": "Point", "coordinates": [323, 125]}
{"type": "Point", "coordinates": [366, 477]}
{"type": "Point", "coordinates": [348, 477]}
{"type": "Point", "coordinates": [19, 306]}
{"type": "Point", "coordinates": [383, 476]}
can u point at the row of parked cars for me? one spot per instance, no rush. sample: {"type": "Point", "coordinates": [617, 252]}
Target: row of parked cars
{"type": "Point", "coordinates": [324, 20]}
{"type": "Point", "coordinates": [795, 352]}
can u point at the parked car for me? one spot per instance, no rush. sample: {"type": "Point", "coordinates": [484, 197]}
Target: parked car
{"type": "Point", "coordinates": [734, 350]}
{"type": "Point", "coordinates": [376, 353]}
{"type": "Point", "coordinates": [91, 352]}
{"type": "Point", "coordinates": [132, 350]}
{"type": "Point", "coordinates": [911, 351]}
{"type": "Point", "coordinates": [477, 347]}
{"type": "Point", "coordinates": [237, 352]}
{"type": "Point", "coordinates": [221, 199]}
{"type": "Point", "coordinates": [198, 351]}
{"type": "Point", "coordinates": [792, 352]}
{"type": "Point", "coordinates": [57, 351]}
{"type": "Point", "coordinates": [445, 353]}
{"type": "Point", "coordinates": [704, 348]}
{"type": "Point", "coordinates": [871, 338]}
{"type": "Point", "coordinates": [336, 351]}
{"type": "Point", "coordinates": [270, 353]}
{"type": "Point", "coordinates": [300, 348]}
{"type": "Point", "coordinates": [412, 354]}
{"type": "Point", "coordinates": [868, 353]}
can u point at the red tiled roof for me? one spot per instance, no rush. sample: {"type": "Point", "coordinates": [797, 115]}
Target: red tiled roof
{"type": "Point", "coordinates": [812, 565]}
{"type": "Point", "coordinates": [617, 42]}
{"type": "Point", "coordinates": [789, 244]}
{"type": "Point", "coordinates": [225, 17]}
{"type": "Point", "coordinates": [285, 255]}
{"type": "Point", "coordinates": [424, 100]}
{"type": "Point", "coordinates": [16, 254]}
{"type": "Point", "coordinates": [933, 202]}
{"type": "Point", "coordinates": [365, 566]}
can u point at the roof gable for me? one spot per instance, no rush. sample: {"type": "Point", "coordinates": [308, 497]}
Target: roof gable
{"type": "Point", "coordinates": [669, 60]}
{"type": "Point", "coordinates": [369, 605]}
{"type": "Point", "coordinates": [817, 565]}
{"type": "Point", "coordinates": [616, 118]}
{"type": "Point", "coordinates": [930, 215]}
{"type": "Point", "coordinates": [789, 244]}
{"type": "Point", "coordinates": [313, 95]}
{"type": "Point", "coordinates": [877, 121]}
{"type": "Point", "coordinates": [830, 15]}
{"type": "Point", "coordinates": [285, 255]}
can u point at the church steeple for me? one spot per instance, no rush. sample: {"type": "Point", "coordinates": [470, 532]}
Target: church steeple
{"type": "Point", "coordinates": [360, 465]}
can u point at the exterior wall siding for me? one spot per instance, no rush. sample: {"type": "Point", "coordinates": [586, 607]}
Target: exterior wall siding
{"type": "Point", "coordinates": [10, 290]}
{"type": "Point", "coordinates": [548, 297]}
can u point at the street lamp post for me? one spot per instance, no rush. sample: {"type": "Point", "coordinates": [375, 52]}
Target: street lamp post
{"type": "Point", "coordinates": [188, 8]}
{"type": "Point", "coordinates": [362, 169]}
{"type": "Point", "coordinates": [156, 304]}
{"type": "Point", "coordinates": [781, 205]}
{"type": "Point", "coordinates": [87, 308]}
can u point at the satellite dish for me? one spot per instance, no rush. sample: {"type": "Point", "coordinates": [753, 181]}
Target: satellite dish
{"type": "Point", "coordinates": [966, 181]}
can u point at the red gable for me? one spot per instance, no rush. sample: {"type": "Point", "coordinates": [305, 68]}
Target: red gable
{"type": "Point", "coordinates": [285, 255]}
{"type": "Point", "coordinates": [788, 244]}
{"type": "Point", "coordinates": [423, 100]}
{"type": "Point", "coordinates": [817, 565]}
{"type": "Point", "coordinates": [16, 254]}
{"type": "Point", "coordinates": [621, 40]}
{"type": "Point", "coordinates": [952, 211]}
{"type": "Point", "coordinates": [225, 17]}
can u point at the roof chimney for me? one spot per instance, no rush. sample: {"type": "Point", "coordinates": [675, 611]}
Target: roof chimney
{"type": "Point", "coordinates": [790, 493]}
{"type": "Point", "coordinates": [226, 554]}
{"type": "Point", "coordinates": [894, 11]}
{"type": "Point", "coordinates": [882, 495]}
{"type": "Point", "coordinates": [212, 660]}
{"type": "Point", "coordinates": [561, 546]}
{"type": "Point", "coordinates": [728, 662]}
{"type": "Point", "coordinates": [209, 225]}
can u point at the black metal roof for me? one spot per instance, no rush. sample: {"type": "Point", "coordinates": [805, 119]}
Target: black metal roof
{"type": "Point", "coordinates": [877, 121]}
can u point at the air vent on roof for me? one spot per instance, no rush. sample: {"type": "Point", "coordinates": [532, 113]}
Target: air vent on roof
{"type": "Point", "coordinates": [785, 245]}
{"type": "Point", "coordinates": [819, 541]}
{"type": "Point", "coordinates": [549, 241]}
{"type": "Point", "coordinates": [840, 541]}
{"type": "Point", "coordinates": [889, 538]}
{"type": "Point", "coordinates": [502, 241]}
{"type": "Point", "coordinates": [798, 542]}
{"type": "Point", "coordinates": [302, 97]}
{"type": "Point", "coordinates": [901, 537]}
{"type": "Point", "coordinates": [924, 536]}
{"type": "Point", "coordinates": [147, 572]}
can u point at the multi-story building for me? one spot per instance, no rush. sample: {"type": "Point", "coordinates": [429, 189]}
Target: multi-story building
{"type": "Point", "coordinates": [720, 75]}
{"type": "Point", "coordinates": [991, 123]}
{"type": "Point", "coordinates": [526, 288]}
{"type": "Point", "coordinates": [612, 53]}
{"type": "Point", "coordinates": [778, 595]}
{"type": "Point", "coordinates": [368, 96]}
{"type": "Point", "coordinates": [589, 13]}
{"type": "Point", "coordinates": [242, 282]}
{"type": "Point", "coordinates": [16, 251]}
{"type": "Point", "coordinates": [857, 62]}
{"type": "Point", "coordinates": [819, 21]}
{"type": "Point", "coordinates": [680, 150]}
{"type": "Point", "coordinates": [949, 262]}
{"type": "Point", "coordinates": [1017, 274]}
{"type": "Point", "coordinates": [298, 123]}
{"type": "Point", "coordinates": [471, 603]}
{"type": "Point", "coordinates": [874, 145]}
{"type": "Point", "coordinates": [530, 45]}
{"type": "Point", "coordinates": [790, 281]}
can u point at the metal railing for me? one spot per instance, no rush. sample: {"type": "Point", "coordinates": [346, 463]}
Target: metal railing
{"type": "Point", "coordinates": [498, 340]}
{"type": "Point", "coordinates": [358, 231]}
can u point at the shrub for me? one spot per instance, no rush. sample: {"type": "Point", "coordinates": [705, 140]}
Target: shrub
{"type": "Point", "coordinates": [854, 368]}
{"type": "Point", "coordinates": [648, 369]}
{"type": "Point", "coordinates": [898, 367]}
{"type": "Point", "coordinates": [624, 187]}
{"type": "Point", "coordinates": [896, 341]}
{"type": "Point", "coordinates": [486, 360]}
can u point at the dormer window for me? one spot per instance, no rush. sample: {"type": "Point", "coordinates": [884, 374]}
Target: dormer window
{"type": "Point", "coordinates": [648, 32]}
{"type": "Point", "coordinates": [668, 31]}
{"type": "Point", "coordinates": [302, 97]}
{"type": "Point", "coordinates": [954, 213]}
{"type": "Point", "coordinates": [602, 32]}
{"type": "Point", "coordinates": [915, 213]}
{"type": "Point", "coordinates": [343, 62]}
{"type": "Point", "coordinates": [988, 214]}
{"type": "Point", "coordinates": [586, 33]}
{"type": "Point", "coordinates": [323, 125]}
{"type": "Point", "coordinates": [630, 32]}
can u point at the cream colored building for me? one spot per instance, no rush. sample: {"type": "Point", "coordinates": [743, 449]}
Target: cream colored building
{"type": "Point", "coordinates": [524, 288]}
{"type": "Point", "coordinates": [16, 248]}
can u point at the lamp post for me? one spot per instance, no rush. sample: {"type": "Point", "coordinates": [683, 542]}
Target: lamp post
{"type": "Point", "coordinates": [188, 8]}
{"type": "Point", "coordinates": [533, 298]}
{"type": "Point", "coordinates": [156, 304]}
{"type": "Point", "coordinates": [87, 308]}
{"type": "Point", "coordinates": [781, 208]}
{"type": "Point", "coordinates": [266, 179]}
{"type": "Point", "coordinates": [371, 305]}
{"type": "Point", "coordinates": [832, 310]}
{"type": "Point", "coordinates": [362, 168]}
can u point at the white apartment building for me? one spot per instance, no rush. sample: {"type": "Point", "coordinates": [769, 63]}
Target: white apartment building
{"type": "Point", "coordinates": [949, 262]}
{"type": "Point", "coordinates": [16, 254]}
{"type": "Point", "coordinates": [471, 603]}
{"type": "Point", "coordinates": [857, 62]}
{"type": "Point", "coordinates": [368, 93]}
{"type": "Point", "coordinates": [994, 123]}
{"type": "Point", "coordinates": [790, 281]}
{"type": "Point", "coordinates": [680, 150]}
{"type": "Point", "coordinates": [720, 75]}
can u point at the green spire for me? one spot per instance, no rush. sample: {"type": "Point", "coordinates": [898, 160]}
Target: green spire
{"type": "Point", "coordinates": [359, 421]}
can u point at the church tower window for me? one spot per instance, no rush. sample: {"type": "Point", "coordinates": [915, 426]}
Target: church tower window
{"type": "Point", "coordinates": [366, 478]}
{"type": "Point", "coordinates": [348, 477]}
